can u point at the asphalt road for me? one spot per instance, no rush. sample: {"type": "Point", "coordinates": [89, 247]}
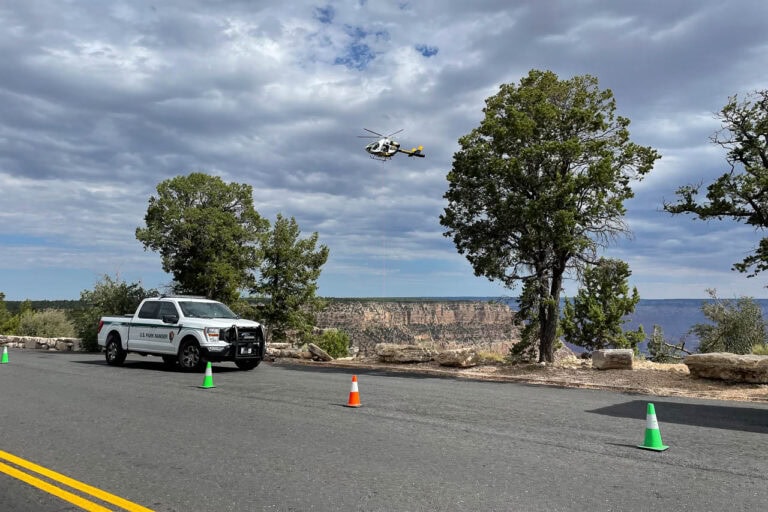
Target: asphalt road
{"type": "Point", "coordinates": [281, 438]}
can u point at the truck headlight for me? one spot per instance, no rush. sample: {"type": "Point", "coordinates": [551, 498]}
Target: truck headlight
{"type": "Point", "coordinates": [212, 333]}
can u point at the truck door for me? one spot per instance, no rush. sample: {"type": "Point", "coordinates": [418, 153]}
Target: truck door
{"type": "Point", "coordinates": [151, 333]}
{"type": "Point", "coordinates": [164, 332]}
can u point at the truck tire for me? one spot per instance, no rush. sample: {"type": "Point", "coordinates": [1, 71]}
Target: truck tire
{"type": "Point", "coordinates": [113, 351]}
{"type": "Point", "coordinates": [170, 361]}
{"type": "Point", "coordinates": [190, 358]}
{"type": "Point", "coordinates": [247, 364]}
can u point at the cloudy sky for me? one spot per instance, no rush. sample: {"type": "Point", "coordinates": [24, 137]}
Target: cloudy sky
{"type": "Point", "coordinates": [102, 100]}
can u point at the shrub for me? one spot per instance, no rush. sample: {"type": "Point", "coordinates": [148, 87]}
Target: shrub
{"type": "Point", "coordinates": [738, 325]}
{"type": "Point", "coordinates": [595, 317]}
{"type": "Point", "coordinates": [335, 342]}
{"type": "Point", "coordinates": [761, 349]}
{"type": "Point", "coordinates": [661, 351]}
{"type": "Point", "coordinates": [51, 323]}
{"type": "Point", "coordinates": [109, 297]}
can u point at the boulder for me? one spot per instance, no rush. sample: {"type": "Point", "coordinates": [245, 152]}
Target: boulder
{"type": "Point", "coordinates": [458, 357]}
{"type": "Point", "coordinates": [729, 367]}
{"type": "Point", "coordinates": [319, 353]}
{"type": "Point", "coordinates": [393, 353]}
{"type": "Point", "coordinates": [612, 359]}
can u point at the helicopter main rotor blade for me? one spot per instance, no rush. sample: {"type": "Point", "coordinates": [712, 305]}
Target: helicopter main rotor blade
{"type": "Point", "coordinates": [395, 133]}
{"type": "Point", "coordinates": [380, 135]}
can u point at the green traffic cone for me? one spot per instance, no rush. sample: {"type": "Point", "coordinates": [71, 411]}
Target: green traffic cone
{"type": "Point", "coordinates": [208, 380]}
{"type": "Point", "coordinates": [4, 360]}
{"type": "Point", "coordinates": [652, 433]}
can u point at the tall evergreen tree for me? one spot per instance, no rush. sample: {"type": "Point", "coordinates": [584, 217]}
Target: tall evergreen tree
{"type": "Point", "coordinates": [288, 278]}
{"type": "Point", "coordinates": [540, 185]}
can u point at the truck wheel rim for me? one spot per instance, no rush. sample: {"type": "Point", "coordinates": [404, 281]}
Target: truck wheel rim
{"type": "Point", "coordinates": [191, 357]}
{"type": "Point", "coordinates": [112, 351]}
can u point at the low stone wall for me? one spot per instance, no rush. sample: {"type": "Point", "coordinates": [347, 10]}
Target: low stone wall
{"type": "Point", "coordinates": [36, 343]}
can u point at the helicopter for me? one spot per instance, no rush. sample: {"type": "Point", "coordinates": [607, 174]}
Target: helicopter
{"type": "Point", "coordinates": [385, 148]}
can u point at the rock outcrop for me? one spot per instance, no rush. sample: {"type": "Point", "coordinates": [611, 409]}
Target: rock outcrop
{"type": "Point", "coordinates": [729, 367]}
{"type": "Point", "coordinates": [440, 324]}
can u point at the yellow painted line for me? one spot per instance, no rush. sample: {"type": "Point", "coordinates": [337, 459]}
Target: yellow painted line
{"type": "Point", "coordinates": [52, 489]}
{"type": "Point", "coordinates": [70, 482]}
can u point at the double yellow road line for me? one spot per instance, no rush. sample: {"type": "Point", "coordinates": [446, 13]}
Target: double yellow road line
{"type": "Point", "coordinates": [65, 495]}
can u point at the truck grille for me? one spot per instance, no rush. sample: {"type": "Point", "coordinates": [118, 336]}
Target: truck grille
{"type": "Point", "coordinates": [247, 342]}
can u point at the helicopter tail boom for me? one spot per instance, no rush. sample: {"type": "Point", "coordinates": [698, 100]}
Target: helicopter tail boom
{"type": "Point", "coordinates": [413, 152]}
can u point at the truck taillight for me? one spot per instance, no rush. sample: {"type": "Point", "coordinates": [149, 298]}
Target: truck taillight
{"type": "Point", "coordinates": [101, 324]}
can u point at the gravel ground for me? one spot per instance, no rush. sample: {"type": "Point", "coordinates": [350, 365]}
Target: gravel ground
{"type": "Point", "coordinates": [645, 377]}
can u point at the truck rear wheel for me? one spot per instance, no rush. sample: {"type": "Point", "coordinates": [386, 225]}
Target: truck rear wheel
{"type": "Point", "coordinates": [190, 358]}
{"type": "Point", "coordinates": [113, 351]}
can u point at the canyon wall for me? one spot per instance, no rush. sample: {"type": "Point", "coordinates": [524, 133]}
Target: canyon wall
{"type": "Point", "coordinates": [443, 324]}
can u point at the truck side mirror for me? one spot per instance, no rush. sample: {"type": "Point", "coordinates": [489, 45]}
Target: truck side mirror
{"type": "Point", "coordinates": [170, 319]}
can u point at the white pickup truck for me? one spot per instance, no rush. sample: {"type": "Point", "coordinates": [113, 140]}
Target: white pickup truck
{"type": "Point", "coordinates": [184, 331]}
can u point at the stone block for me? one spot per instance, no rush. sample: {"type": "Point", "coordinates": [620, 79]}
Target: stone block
{"type": "Point", "coordinates": [612, 359]}
{"type": "Point", "coordinates": [458, 357]}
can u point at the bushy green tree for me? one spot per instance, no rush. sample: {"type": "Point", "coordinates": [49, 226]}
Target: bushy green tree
{"type": "Point", "coordinates": [208, 235]}
{"type": "Point", "coordinates": [737, 325]}
{"type": "Point", "coordinates": [288, 279]}
{"type": "Point", "coordinates": [595, 317]}
{"type": "Point", "coordinates": [10, 324]}
{"type": "Point", "coordinates": [50, 323]}
{"type": "Point", "coordinates": [109, 297]}
{"type": "Point", "coordinates": [741, 193]}
{"type": "Point", "coordinates": [540, 186]}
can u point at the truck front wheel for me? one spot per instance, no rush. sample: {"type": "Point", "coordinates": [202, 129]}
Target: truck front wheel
{"type": "Point", "coordinates": [113, 351]}
{"type": "Point", "coordinates": [190, 359]}
{"type": "Point", "coordinates": [247, 364]}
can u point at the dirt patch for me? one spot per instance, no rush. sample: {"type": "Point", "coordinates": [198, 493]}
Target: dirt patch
{"type": "Point", "coordinates": [645, 378]}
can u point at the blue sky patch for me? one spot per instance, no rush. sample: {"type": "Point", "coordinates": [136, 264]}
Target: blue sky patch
{"type": "Point", "coordinates": [357, 54]}
{"type": "Point", "coordinates": [357, 57]}
{"type": "Point", "coordinates": [325, 14]}
{"type": "Point", "coordinates": [426, 50]}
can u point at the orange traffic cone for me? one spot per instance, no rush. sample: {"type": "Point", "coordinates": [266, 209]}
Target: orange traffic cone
{"type": "Point", "coordinates": [354, 394]}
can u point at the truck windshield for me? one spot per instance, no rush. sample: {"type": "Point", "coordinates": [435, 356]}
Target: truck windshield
{"type": "Point", "coordinates": [206, 310]}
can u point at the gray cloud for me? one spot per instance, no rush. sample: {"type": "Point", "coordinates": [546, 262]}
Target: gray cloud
{"type": "Point", "coordinates": [100, 102]}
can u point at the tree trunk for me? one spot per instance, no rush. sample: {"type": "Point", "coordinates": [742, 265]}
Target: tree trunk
{"type": "Point", "coordinates": [548, 333]}
{"type": "Point", "coordinates": [549, 316]}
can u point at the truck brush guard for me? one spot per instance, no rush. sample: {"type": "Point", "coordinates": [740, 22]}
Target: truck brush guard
{"type": "Point", "coordinates": [246, 342]}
